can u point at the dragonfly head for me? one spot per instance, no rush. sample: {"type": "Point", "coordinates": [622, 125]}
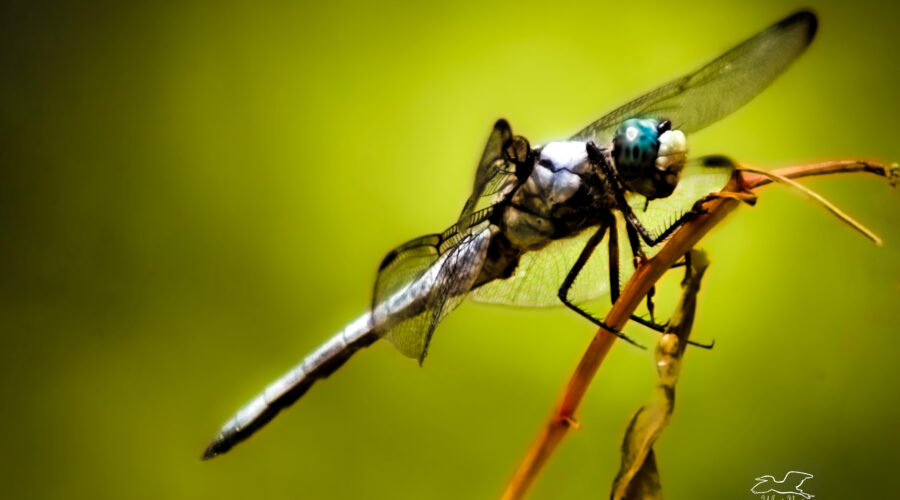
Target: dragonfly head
{"type": "Point", "coordinates": [649, 156]}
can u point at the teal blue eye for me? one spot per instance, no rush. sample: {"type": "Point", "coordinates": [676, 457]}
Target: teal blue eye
{"type": "Point", "coordinates": [635, 146]}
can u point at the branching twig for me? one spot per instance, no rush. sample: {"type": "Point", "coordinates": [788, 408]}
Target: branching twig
{"type": "Point", "coordinates": [638, 477]}
{"type": "Point", "coordinates": [714, 209]}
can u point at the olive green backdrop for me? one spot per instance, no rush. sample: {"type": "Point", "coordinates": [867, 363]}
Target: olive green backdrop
{"type": "Point", "coordinates": [195, 195]}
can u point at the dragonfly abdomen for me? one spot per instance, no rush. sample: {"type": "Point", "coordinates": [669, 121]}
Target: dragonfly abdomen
{"type": "Point", "coordinates": [292, 385]}
{"type": "Point", "coordinates": [406, 303]}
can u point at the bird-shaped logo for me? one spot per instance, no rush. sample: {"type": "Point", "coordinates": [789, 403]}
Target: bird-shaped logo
{"type": "Point", "coordinates": [790, 485]}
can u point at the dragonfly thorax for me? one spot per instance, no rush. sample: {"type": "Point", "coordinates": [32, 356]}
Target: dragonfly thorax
{"type": "Point", "coordinates": [558, 173]}
{"type": "Point", "coordinates": [560, 195]}
{"type": "Point", "coordinates": [649, 156]}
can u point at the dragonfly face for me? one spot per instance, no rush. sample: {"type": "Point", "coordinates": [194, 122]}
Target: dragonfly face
{"type": "Point", "coordinates": [649, 156]}
{"type": "Point", "coordinates": [530, 232]}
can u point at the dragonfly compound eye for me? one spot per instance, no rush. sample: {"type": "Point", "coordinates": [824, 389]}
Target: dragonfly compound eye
{"type": "Point", "coordinates": [635, 147]}
{"type": "Point", "coordinates": [649, 156]}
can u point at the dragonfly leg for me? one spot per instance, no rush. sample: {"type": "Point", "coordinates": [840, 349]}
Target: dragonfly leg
{"type": "Point", "coordinates": [573, 274]}
{"type": "Point", "coordinates": [638, 253]}
{"type": "Point", "coordinates": [661, 328]}
{"type": "Point", "coordinates": [613, 263]}
{"type": "Point", "coordinates": [645, 235]}
{"type": "Point", "coordinates": [634, 241]}
{"type": "Point", "coordinates": [650, 324]}
{"type": "Point", "coordinates": [650, 305]}
{"type": "Point", "coordinates": [633, 222]}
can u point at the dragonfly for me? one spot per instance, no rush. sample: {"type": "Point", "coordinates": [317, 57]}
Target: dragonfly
{"type": "Point", "coordinates": [530, 232]}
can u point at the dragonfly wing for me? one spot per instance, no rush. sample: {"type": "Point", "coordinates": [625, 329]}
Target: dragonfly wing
{"type": "Point", "coordinates": [488, 167]}
{"type": "Point", "coordinates": [405, 264]}
{"type": "Point", "coordinates": [410, 314]}
{"type": "Point", "coordinates": [539, 274]}
{"type": "Point", "coordinates": [496, 173]}
{"type": "Point", "coordinates": [718, 88]}
{"type": "Point", "coordinates": [431, 265]}
{"type": "Point", "coordinates": [700, 177]}
{"type": "Point", "coordinates": [408, 262]}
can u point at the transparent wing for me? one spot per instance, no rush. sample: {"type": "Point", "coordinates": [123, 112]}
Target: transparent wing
{"type": "Point", "coordinates": [700, 177]}
{"type": "Point", "coordinates": [410, 314]}
{"type": "Point", "coordinates": [537, 278]}
{"type": "Point", "coordinates": [489, 167]}
{"type": "Point", "coordinates": [715, 90]}
{"type": "Point", "coordinates": [408, 262]}
{"type": "Point", "coordinates": [435, 271]}
{"type": "Point", "coordinates": [496, 172]}
{"type": "Point", "coordinates": [405, 264]}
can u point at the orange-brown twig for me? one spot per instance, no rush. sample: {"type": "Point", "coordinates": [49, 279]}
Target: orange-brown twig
{"type": "Point", "coordinates": [715, 208]}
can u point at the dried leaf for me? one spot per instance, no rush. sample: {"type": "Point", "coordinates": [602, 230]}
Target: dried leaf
{"type": "Point", "coordinates": [638, 478]}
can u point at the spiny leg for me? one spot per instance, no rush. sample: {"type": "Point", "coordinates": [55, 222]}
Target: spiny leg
{"type": "Point", "coordinates": [632, 220]}
{"type": "Point", "coordinates": [663, 328]}
{"type": "Point", "coordinates": [573, 274]}
{"type": "Point", "coordinates": [648, 238]}
{"type": "Point", "coordinates": [638, 254]}
{"type": "Point", "coordinates": [687, 266]}
{"type": "Point", "coordinates": [696, 210]}
{"type": "Point", "coordinates": [614, 273]}
{"type": "Point", "coordinates": [614, 266]}
{"type": "Point", "coordinates": [613, 263]}
{"type": "Point", "coordinates": [650, 306]}
{"type": "Point", "coordinates": [635, 243]}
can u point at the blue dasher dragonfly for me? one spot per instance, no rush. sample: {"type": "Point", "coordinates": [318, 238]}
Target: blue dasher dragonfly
{"type": "Point", "coordinates": [529, 233]}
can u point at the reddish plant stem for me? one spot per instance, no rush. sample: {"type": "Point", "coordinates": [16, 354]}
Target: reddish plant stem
{"type": "Point", "coordinates": [637, 287]}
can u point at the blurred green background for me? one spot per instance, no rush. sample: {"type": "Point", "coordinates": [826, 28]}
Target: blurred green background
{"type": "Point", "coordinates": [193, 195]}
